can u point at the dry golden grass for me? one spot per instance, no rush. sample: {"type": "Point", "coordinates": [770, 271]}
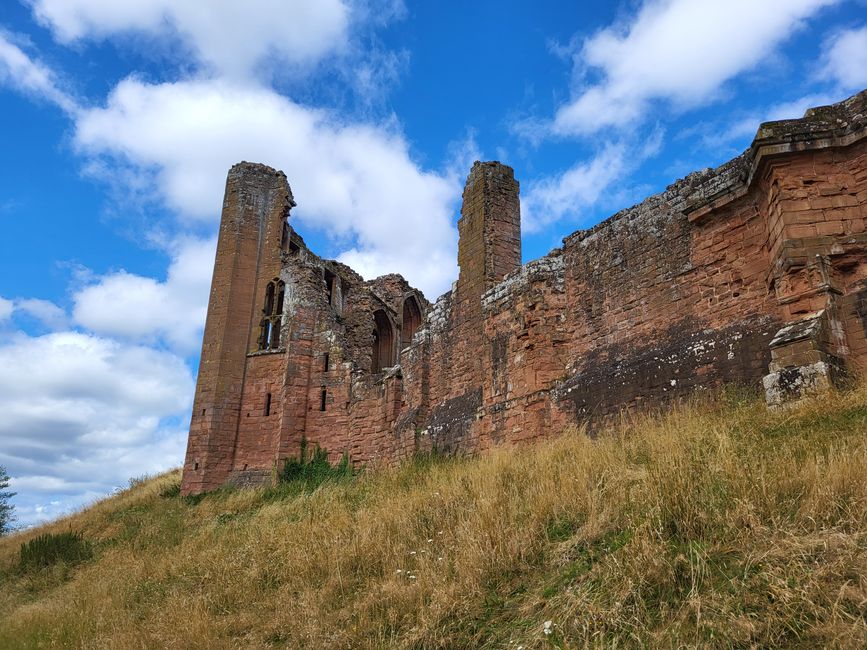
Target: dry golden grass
{"type": "Point", "coordinates": [718, 525]}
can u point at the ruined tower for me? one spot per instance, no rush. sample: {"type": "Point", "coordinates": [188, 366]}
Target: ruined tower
{"type": "Point", "coordinates": [489, 247]}
{"type": "Point", "coordinates": [255, 208]}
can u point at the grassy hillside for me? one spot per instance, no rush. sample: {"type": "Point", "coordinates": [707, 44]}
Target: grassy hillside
{"type": "Point", "coordinates": [718, 525]}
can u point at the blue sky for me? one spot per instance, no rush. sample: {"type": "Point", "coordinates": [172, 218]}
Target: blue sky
{"type": "Point", "coordinates": [120, 120]}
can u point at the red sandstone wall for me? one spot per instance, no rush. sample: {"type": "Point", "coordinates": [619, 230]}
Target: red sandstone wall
{"type": "Point", "coordinates": [649, 305]}
{"type": "Point", "coordinates": [642, 308]}
{"type": "Point", "coordinates": [816, 206]}
{"type": "Point", "coordinates": [757, 269]}
{"type": "Point", "coordinates": [488, 249]}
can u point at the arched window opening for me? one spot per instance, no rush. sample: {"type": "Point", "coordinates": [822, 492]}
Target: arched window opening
{"type": "Point", "coordinates": [275, 333]}
{"type": "Point", "coordinates": [334, 291]}
{"type": "Point", "coordinates": [383, 342]}
{"type": "Point", "coordinates": [269, 299]}
{"type": "Point", "coordinates": [411, 321]}
{"type": "Point", "coordinates": [272, 312]}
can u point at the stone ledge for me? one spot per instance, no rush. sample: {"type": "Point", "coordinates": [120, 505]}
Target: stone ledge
{"type": "Point", "coordinates": [836, 125]}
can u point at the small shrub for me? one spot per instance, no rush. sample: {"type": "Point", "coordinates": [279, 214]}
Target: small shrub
{"type": "Point", "coordinates": [53, 548]}
{"type": "Point", "coordinates": [310, 473]}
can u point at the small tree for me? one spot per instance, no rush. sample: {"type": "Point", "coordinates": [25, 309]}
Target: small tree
{"type": "Point", "coordinates": [7, 514]}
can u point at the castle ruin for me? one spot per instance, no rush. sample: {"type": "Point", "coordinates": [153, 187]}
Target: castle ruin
{"type": "Point", "coordinates": [754, 272]}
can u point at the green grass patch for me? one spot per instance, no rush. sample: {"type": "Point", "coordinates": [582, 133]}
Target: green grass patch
{"type": "Point", "coordinates": [54, 548]}
{"type": "Point", "coordinates": [310, 470]}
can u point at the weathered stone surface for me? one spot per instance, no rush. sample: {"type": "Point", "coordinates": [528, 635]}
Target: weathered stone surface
{"type": "Point", "coordinates": [754, 272]}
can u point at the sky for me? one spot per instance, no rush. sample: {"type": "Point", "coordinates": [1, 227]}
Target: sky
{"type": "Point", "coordinates": [121, 119]}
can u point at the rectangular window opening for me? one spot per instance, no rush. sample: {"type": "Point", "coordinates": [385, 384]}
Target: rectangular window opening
{"type": "Point", "coordinates": [203, 411]}
{"type": "Point", "coordinates": [325, 362]}
{"type": "Point", "coordinates": [324, 396]}
{"type": "Point", "coordinates": [268, 404]}
{"type": "Point", "coordinates": [195, 466]}
{"type": "Point", "coordinates": [275, 334]}
{"type": "Point", "coordinates": [329, 287]}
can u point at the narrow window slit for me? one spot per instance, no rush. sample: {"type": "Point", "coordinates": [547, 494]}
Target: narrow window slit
{"type": "Point", "coordinates": [325, 362]}
{"type": "Point", "coordinates": [268, 404]}
{"type": "Point", "coordinates": [323, 397]}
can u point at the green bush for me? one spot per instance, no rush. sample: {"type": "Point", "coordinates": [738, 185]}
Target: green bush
{"type": "Point", "coordinates": [50, 549]}
{"type": "Point", "coordinates": [312, 472]}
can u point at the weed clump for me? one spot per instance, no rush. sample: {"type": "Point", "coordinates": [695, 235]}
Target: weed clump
{"type": "Point", "coordinates": [54, 548]}
{"type": "Point", "coordinates": [310, 471]}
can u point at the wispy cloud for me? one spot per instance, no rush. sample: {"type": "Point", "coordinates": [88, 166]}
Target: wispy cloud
{"type": "Point", "coordinates": [677, 51]}
{"type": "Point", "coordinates": [845, 58]}
{"type": "Point", "coordinates": [30, 76]}
{"type": "Point", "coordinates": [570, 194]}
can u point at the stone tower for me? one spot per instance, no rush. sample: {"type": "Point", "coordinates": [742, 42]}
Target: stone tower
{"type": "Point", "coordinates": [255, 209]}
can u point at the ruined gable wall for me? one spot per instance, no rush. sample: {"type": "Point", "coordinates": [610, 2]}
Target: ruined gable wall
{"type": "Point", "coordinates": [332, 397]}
{"type": "Point", "coordinates": [489, 248]}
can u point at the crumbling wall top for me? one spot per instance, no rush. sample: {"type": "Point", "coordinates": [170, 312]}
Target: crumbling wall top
{"type": "Point", "coordinates": [836, 125]}
{"type": "Point", "coordinates": [268, 174]}
{"type": "Point", "coordinates": [487, 170]}
{"type": "Point", "coordinates": [548, 269]}
{"type": "Point", "coordinates": [660, 205]}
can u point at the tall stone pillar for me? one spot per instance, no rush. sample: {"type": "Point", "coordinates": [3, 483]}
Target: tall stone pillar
{"type": "Point", "coordinates": [255, 207]}
{"type": "Point", "coordinates": [489, 248]}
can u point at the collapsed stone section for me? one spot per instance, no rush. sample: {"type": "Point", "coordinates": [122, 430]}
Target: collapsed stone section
{"type": "Point", "coordinates": [755, 272]}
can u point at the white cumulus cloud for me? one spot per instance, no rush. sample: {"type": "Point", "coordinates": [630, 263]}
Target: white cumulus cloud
{"type": "Point", "coordinates": [143, 309]}
{"type": "Point", "coordinates": [81, 414]}
{"type": "Point", "coordinates": [355, 181]}
{"type": "Point", "coordinates": [679, 51]}
{"type": "Point", "coordinates": [845, 60]}
{"type": "Point", "coordinates": [228, 36]}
